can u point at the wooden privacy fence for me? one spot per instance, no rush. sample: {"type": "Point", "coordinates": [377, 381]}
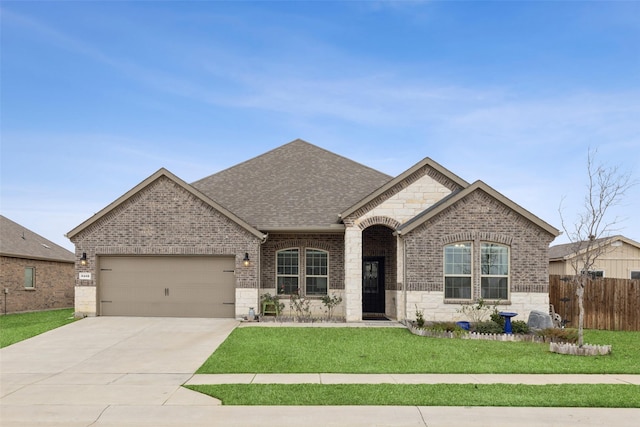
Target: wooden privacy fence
{"type": "Point", "coordinates": [610, 304]}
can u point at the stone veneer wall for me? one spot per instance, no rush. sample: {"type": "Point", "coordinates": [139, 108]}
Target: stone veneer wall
{"type": "Point", "coordinates": [402, 202]}
{"type": "Point", "coordinates": [165, 219]}
{"type": "Point", "coordinates": [477, 218]}
{"type": "Point", "coordinates": [53, 285]}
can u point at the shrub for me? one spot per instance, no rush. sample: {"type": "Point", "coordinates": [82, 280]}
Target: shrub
{"type": "Point", "coordinates": [559, 335]}
{"type": "Point", "coordinates": [331, 302]}
{"type": "Point", "coordinates": [475, 312]}
{"type": "Point", "coordinates": [444, 327]}
{"type": "Point", "coordinates": [495, 317]}
{"type": "Point", "coordinates": [419, 317]}
{"type": "Point", "coordinates": [519, 327]}
{"type": "Point", "coordinates": [487, 328]}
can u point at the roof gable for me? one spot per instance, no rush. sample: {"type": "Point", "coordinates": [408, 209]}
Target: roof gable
{"type": "Point", "coordinates": [426, 166]}
{"type": "Point", "coordinates": [297, 186]}
{"type": "Point", "coordinates": [567, 251]}
{"type": "Point", "coordinates": [20, 242]}
{"type": "Point", "coordinates": [164, 173]}
{"type": "Point", "coordinates": [457, 196]}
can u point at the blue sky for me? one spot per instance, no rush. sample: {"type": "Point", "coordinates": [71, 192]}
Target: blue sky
{"type": "Point", "coordinates": [96, 96]}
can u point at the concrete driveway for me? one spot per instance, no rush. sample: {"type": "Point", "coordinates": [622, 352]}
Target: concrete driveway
{"type": "Point", "coordinates": [119, 372]}
{"type": "Point", "coordinates": [71, 375]}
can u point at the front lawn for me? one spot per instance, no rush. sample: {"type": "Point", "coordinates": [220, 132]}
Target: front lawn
{"type": "Point", "coordinates": [18, 327]}
{"type": "Point", "coordinates": [394, 350]}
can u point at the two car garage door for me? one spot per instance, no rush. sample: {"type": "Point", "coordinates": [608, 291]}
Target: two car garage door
{"type": "Point", "coordinates": [167, 286]}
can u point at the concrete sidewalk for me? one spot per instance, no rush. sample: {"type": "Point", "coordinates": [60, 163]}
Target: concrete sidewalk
{"type": "Point", "coordinates": [532, 379]}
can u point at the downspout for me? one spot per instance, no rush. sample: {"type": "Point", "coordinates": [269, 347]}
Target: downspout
{"type": "Point", "coordinates": [262, 242]}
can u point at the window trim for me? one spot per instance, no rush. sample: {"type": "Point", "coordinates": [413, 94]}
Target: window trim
{"type": "Point", "coordinates": [278, 276]}
{"type": "Point", "coordinates": [507, 276]}
{"type": "Point", "coordinates": [306, 275]}
{"type": "Point", "coordinates": [33, 278]}
{"type": "Point", "coordinates": [302, 271]}
{"type": "Point", "coordinates": [594, 273]}
{"type": "Point", "coordinates": [445, 275]}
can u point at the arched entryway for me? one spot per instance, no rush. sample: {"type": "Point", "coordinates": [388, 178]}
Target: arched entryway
{"type": "Point", "coordinates": [378, 269]}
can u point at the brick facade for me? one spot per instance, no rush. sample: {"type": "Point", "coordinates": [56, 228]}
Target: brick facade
{"type": "Point", "coordinates": [332, 243]}
{"type": "Point", "coordinates": [53, 285]}
{"type": "Point", "coordinates": [408, 221]}
{"type": "Point", "coordinates": [478, 218]}
{"type": "Point", "coordinates": [165, 219]}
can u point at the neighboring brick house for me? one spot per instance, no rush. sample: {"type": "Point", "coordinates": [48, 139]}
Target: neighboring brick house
{"type": "Point", "coordinates": [302, 219]}
{"type": "Point", "coordinates": [35, 273]}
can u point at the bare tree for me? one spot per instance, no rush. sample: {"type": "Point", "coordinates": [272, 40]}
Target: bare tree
{"type": "Point", "coordinates": [606, 188]}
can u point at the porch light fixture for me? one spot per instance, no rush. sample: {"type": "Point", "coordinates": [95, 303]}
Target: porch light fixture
{"type": "Point", "coordinates": [83, 260]}
{"type": "Point", "coordinates": [245, 260]}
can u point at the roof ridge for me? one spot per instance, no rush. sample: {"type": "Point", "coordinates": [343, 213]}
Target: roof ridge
{"type": "Point", "coordinates": [296, 141]}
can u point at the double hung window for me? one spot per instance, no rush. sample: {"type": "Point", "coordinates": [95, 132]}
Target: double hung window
{"type": "Point", "coordinates": [287, 271]}
{"type": "Point", "coordinates": [494, 270]}
{"type": "Point", "coordinates": [457, 271]}
{"type": "Point", "coordinates": [460, 276]}
{"type": "Point", "coordinates": [314, 275]}
{"type": "Point", "coordinates": [317, 272]}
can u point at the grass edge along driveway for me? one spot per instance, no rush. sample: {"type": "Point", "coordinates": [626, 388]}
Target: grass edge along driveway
{"type": "Point", "coordinates": [390, 350]}
{"type": "Point", "coordinates": [20, 326]}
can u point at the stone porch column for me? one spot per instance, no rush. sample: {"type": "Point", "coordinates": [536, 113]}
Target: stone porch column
{"type": "Point", "coordinates": [401, 305]}
{"type": "Point", "coordinates": [353, 273]}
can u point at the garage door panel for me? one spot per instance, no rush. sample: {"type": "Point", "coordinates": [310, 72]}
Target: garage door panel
{"type": "Point", "coordinates": [167, 286]}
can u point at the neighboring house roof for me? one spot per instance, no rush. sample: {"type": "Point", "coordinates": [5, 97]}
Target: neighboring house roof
{"type": "Point", "coordinates": [459, 195]}
{"type": "Point", "coordinates": [295, 187]}
{"type": "Point", "coordinates": [455, 179]}
{"type": "Point", "coordinates": [20, 242]}
{"type": "Point", "coordinates": [567, 251]}
{"type": "Point", "coordinates": [160, 173]}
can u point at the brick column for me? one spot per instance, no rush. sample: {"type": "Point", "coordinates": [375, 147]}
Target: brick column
{"type": "Point", "coordinates": [353, 273]}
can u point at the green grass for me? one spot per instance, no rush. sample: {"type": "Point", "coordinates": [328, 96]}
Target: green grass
{"type": "Point", "coordinates": [18, 327]}
{"type": "Point", "coordinates": [564, 395]}
{"type": "Point", "coordinates": [393, 350]}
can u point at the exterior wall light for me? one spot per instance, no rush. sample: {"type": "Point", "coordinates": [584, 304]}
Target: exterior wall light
{"type": "Point", "coordinates": [83, 260]}
{"type": "Point", "coordinates": [245, 260]}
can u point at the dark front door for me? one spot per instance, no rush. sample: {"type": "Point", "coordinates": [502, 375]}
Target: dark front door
{"type": "Point", "coordinates": [373, 285]}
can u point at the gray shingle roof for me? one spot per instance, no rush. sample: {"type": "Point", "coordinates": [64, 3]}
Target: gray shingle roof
{"type": "Point", "coordinates": [568, 250]}
{"type": "Point", "coordinates": [295, 186]}
{"type": "Point", "coordinates": [20, 242]}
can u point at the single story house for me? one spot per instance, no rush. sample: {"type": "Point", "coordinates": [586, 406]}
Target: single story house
{"type": "Point", "coordinates": [618, 257]}
{"type": "Point", "coordinates": [300, 219]}
{"type": "Point", "coordinates": [35, 273]}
